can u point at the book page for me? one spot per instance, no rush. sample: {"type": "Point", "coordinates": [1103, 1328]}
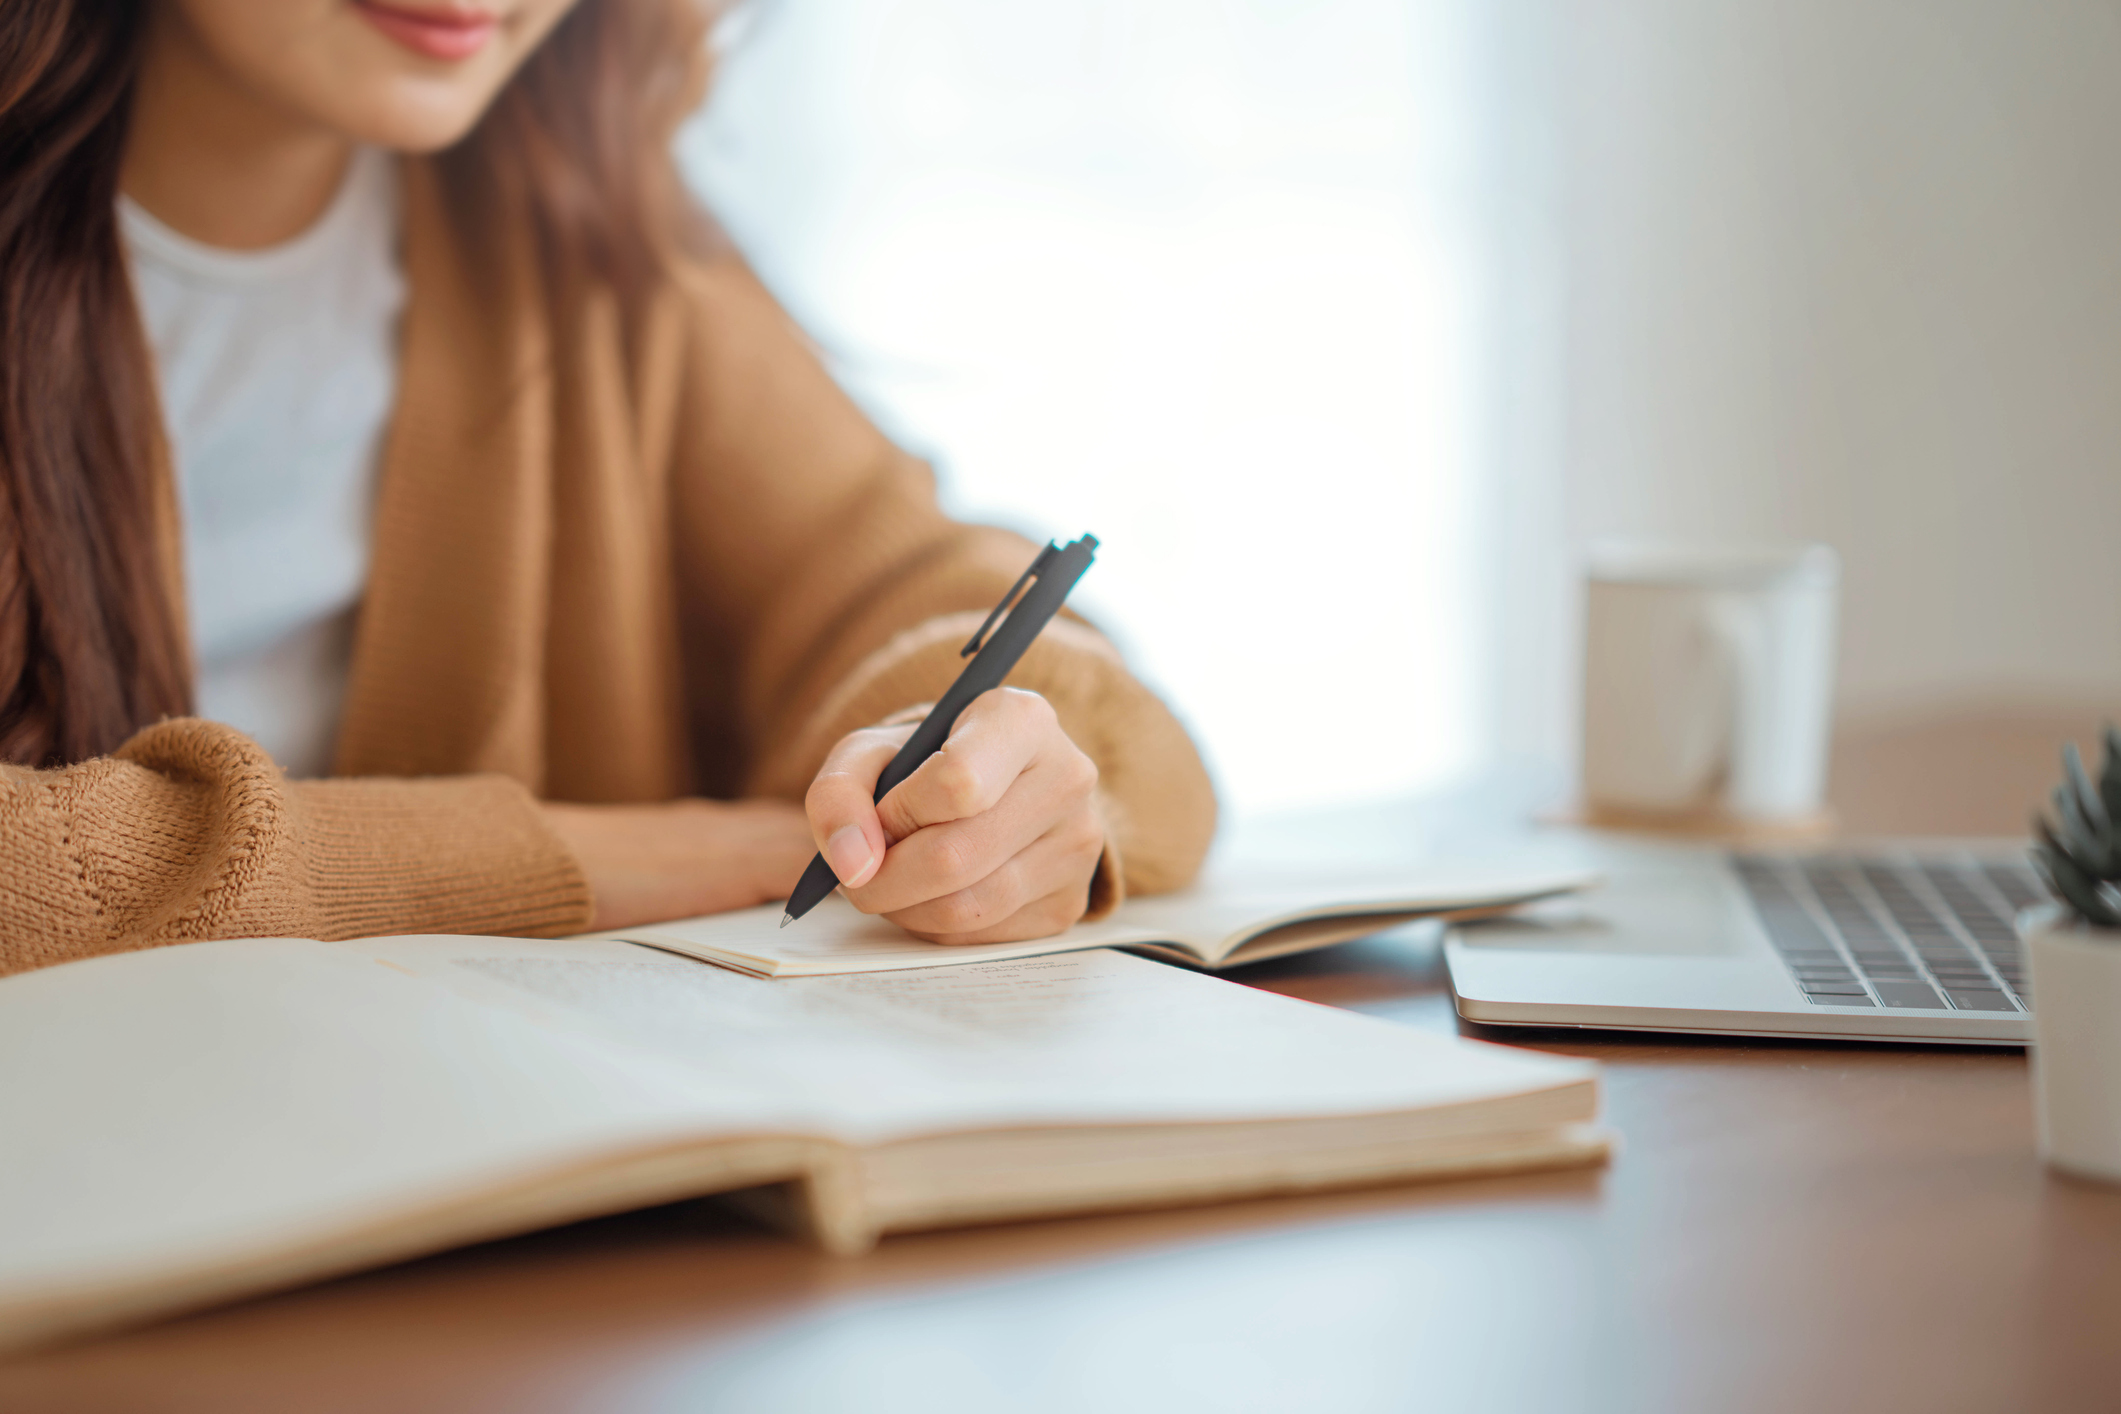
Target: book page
{"type": "Point", "coordinates": [191, 1104]}
{"type": "Point", "coordinates": [195, 1119]}
{"type": "Point", "coordinates": [1081, 1038]}
{"type": "Point", "coordinates": [1210, 920]}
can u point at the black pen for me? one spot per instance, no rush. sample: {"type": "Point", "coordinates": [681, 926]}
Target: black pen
{"type": "Point", "coordinates": [994, 652]}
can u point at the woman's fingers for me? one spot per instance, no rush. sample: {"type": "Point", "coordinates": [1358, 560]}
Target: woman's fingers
{"type": "Point", "coordinates": [1040, 919]}
{"type": "Point", "coordinates": [1052, 789]}
{"type": "Point", "coordinates": [994, 740]}
{"type": "Point", "coordinates": [943, 859]}
{"type": "Point", "coordinates": [840, 803]}
{"type": "Point", "coordinates": [997, 835]}
{"type": "Point", "coordinates": [1067, 852]}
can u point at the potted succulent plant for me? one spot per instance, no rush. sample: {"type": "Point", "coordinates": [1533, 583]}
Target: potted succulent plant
{"type": "Point", "coordinates": [2074, 949]}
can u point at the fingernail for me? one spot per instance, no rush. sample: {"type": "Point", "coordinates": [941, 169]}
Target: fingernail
{"type": "Point", "coordinates": [848, 853]}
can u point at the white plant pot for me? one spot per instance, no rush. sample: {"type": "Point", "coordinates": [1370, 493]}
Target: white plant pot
{"type": "Point", "coordinates": [2076, 1057]}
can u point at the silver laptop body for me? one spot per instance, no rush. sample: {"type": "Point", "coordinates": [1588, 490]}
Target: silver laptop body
{"type": "Point", "coordinates": [1908, 941]}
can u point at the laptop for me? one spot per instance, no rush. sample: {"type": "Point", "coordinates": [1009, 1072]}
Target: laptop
{"type": "Point", "coordinates": [1886, 942]}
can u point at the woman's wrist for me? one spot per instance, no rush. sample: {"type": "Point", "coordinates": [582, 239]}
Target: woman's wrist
{"type": "Point", "coordinates": [682, 858]}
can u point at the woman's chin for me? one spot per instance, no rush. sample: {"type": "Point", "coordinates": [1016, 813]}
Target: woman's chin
{"type": "Point", "coordinates": [414, 116]}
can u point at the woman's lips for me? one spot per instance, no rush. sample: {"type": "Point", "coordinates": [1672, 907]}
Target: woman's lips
{"type": "Point", "coordinates": [438, 34]}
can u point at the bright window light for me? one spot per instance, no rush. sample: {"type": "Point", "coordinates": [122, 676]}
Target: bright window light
{"type": "Point", "coordinates": [1188, 274]}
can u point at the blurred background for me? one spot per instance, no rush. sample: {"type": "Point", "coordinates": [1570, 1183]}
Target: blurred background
{"type": "Point", "coordinates": [1347, 324]}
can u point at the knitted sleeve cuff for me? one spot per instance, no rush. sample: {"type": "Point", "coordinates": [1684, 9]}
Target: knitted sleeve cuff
{"type": "Point", "coordinates": [456, 854]}
{"type": "Point", "coordinates": [189, 832]}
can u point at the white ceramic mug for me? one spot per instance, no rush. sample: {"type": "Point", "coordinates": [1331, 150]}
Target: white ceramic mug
{"type": "Point", "coordinates": [1708, 681]}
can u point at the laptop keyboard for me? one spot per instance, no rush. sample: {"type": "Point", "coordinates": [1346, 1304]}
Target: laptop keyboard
{"type": "Point", "coordinates": [1898, 932]}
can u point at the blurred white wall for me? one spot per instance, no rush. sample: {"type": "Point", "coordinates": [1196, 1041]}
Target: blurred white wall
{"type": "Point", "coordinates": [1851, 270]}
{"type": "Point", "coordinates": [1205, 277]}
{"type": "Point", "coordinates": [1402, 301]}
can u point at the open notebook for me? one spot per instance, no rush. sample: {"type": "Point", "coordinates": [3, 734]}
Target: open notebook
{"type": "Point", "coordinates": [1227, 919]}
{"type": "Point", "coordinates": [197, 1123]}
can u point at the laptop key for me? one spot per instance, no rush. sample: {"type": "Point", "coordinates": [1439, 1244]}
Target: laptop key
{"type": "Point", "coordinates": [1925, 936]}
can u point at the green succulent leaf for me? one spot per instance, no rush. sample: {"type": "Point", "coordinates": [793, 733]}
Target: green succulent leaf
{"type": "Point", "coordinates": [2078, 889]}
{"type": "Point", "coordinates": [2105, 861]}
{"type": "Point", "coordinates": [2079, 835]}
{"type": "Point", "coordinates": [2083, 791]}
{"type": "Point", "coordinates": [2079, 849]}
{"type": "Point", "coordinates": [2110, 777]}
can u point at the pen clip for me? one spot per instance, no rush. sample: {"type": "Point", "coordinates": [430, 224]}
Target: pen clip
{"type": "Point", "coordinates": [1045, 557]}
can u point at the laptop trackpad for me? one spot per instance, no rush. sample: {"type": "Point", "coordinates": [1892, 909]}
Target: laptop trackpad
{"type": "Point", "coordinates": [1688, 912]}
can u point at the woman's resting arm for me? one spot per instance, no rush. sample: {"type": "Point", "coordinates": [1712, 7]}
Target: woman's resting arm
{"type": "Point", "coordinates": [189, 832]}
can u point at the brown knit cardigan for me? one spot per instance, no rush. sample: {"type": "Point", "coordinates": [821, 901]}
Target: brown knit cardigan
{"type": "Point", "coordinates": [613, 561]}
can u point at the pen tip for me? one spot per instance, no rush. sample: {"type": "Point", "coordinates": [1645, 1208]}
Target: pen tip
{"type": "Point", "coordinates": [786, 919]}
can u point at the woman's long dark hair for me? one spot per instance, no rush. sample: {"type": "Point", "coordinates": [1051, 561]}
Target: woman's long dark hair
{"type": "Point", "coordinates": [577, 145]}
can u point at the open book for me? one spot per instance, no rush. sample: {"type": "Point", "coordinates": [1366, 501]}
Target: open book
{"type": "Point", "coordinates": [192, 1124]}
{"type": "Point", "coordinates": [1223, 921]}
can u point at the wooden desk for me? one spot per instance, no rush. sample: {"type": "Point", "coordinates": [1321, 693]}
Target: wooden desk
{"type": "Point", "coordinates": [1788, 1227]}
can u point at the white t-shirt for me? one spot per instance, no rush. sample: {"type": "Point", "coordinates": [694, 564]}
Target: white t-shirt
{"type": "Point", "coordinates": [278, 369]}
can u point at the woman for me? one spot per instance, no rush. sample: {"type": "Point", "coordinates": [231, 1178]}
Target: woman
{"type": "Point", "coordinates": [367, 381]}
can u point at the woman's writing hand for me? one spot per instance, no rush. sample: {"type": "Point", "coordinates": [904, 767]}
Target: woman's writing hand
{"type": "Point", "coordinates": [651, 863]}
{"type": "Point", "coordinates": [994, 838]}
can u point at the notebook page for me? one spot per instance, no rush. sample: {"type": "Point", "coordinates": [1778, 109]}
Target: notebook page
{"type": "Point", "coordinates": [1229, 906]}
{"type": "Point", "coordinates": [1210, 919]}
{"type": "Point", "coordinates": [1098, 1037]}
{"type": "Point", "coordinates": [835, 938]}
